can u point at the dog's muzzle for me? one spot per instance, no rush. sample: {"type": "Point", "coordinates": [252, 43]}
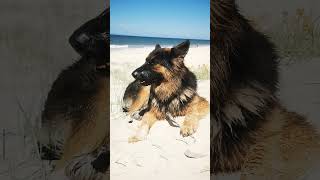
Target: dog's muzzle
{"type": "Point", "coordinates": [146, 76]}
{"type": "Point", "coordinates": [143, 77]}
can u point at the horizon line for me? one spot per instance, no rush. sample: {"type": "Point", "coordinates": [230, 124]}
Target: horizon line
{"type": "Point", "coordinates": [161, 37]}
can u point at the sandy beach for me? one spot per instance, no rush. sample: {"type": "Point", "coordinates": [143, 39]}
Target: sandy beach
{"type": "Point", "coordinates": [120, 55]}
{"type": "Point", "coordinates": [162, 154]}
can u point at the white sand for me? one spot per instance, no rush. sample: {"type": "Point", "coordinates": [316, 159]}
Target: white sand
{"type": "Point", "coordinates": [161, 155]}
{"type": "Point", "coordinates": [299, 88]}
{"type": "Point", "coordinates": [119, 56]}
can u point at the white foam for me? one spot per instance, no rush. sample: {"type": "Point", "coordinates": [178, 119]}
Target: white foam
{"type": "Point", "coordinates": [118, 46]}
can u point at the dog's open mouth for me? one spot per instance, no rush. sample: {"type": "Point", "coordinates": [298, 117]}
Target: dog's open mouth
{"type": "Point", "coordinates": [147, 82]}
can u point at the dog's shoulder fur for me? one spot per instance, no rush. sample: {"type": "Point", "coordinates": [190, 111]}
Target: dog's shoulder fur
{"type": "Point", "coordinates": [74, 86]}
{"type": "Point", "coordinates": [78, 101]}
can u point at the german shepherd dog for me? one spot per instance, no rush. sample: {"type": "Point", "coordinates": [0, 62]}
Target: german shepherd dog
{"type": "Point", "coordinates": [251, 133]}
{"type": "Point", "coordinates": [168, 88]}
{"type": "Point", "coordinates": [75, 119]}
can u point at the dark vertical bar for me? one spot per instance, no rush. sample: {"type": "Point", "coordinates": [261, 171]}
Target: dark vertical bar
{"type": "Point", "coordinates": [4, 144]}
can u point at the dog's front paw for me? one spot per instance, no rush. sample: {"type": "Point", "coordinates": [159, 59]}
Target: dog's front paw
{"type": "Point", "coordinates": [81, 167]}
{"type": "Point", "coordinates": [188, 128]}
{"type": "Point", "coordinates": [140, 135]}
{"type": "Point", "coordinates": [134, 139]}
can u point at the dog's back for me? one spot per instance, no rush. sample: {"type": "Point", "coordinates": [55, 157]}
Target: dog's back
{"type": "Point", "coordinates": [287, 147]}
{"type": "Point", "coordinates": [77, 98]}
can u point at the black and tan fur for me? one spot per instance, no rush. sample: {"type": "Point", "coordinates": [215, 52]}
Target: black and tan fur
{"type": "Point", "coordinates": [135, 99]}
{"type": "Point", "coordinates": [251, 133]}
{"type": "Point", "coordinates": [172, 90]}
{"type": "Point", "coordinates": [75, 119]}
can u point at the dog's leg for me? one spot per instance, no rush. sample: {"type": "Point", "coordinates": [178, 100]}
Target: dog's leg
{"type": "Point", "coordinates": [198, 108]}
{"type": "Point", "coordinates": [139, 114]}
{"type": "Point", "coordinates": [190, 125]}
{"type": "Point", "coordinates": [147, 121]}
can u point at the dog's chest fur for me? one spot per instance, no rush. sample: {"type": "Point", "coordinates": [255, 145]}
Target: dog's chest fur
{"type": "Point", "coordinates": [174, 102]}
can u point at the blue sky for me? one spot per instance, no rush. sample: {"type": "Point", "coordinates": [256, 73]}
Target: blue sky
{"type": "Point", "coordinates": [188, 19]}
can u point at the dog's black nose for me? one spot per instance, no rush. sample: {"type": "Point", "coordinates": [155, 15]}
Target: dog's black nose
{"type": "Point", "coordinates": [135, 74]}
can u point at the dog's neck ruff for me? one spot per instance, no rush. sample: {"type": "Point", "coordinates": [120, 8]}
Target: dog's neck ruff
{"type": "Point", "coordinates": [174, 101]}
{"type": "Point", "coordinates": [244, 104]}
{"type": "Point", "coordinates": [241, 115]}
{"type": "Point", "coordinates": [166, 90]}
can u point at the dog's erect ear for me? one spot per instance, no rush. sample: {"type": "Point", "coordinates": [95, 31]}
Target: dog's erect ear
{"type": "Point", "coordinates": [158, 46]}
{"type": "Point", "coordinates": [88, 34]}
{"type": "Point", "coordinates": [181, 50]}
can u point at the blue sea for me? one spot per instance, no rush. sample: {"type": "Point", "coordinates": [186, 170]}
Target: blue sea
{"type": "Point", "coordinates": [121, 41]}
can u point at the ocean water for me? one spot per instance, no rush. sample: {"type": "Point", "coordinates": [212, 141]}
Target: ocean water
{"type": "Point", "coordinates": [120, 41]}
